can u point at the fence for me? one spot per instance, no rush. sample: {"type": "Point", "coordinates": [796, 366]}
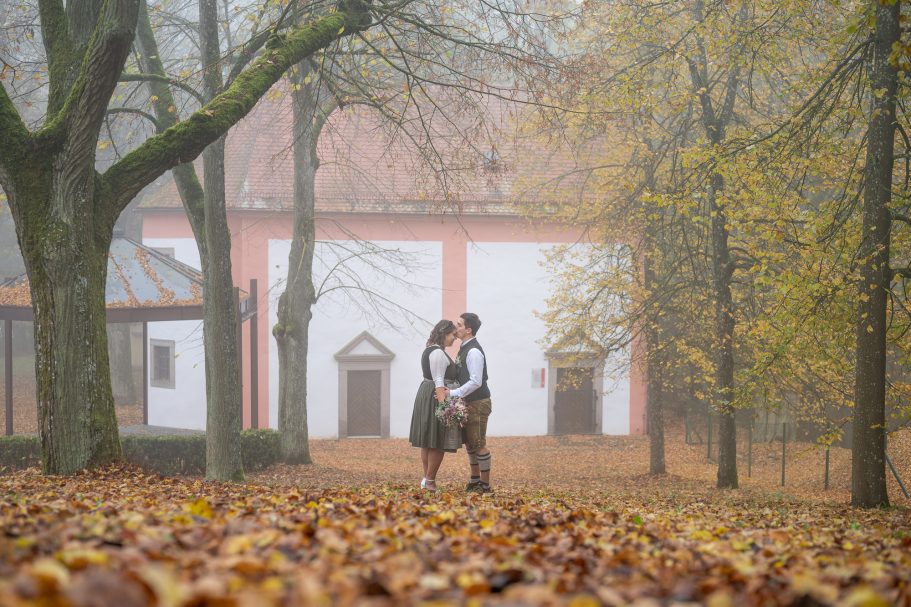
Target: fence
{"type": "Point", "coordinates": [700, 428]}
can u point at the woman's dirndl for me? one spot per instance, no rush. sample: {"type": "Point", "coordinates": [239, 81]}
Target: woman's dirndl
{"type": "Point", "coordinates": [427, 431]}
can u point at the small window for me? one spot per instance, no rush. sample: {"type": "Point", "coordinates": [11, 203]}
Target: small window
{"type": "Point", "coordinates": [169, 251]}
{"type": "Point", "coordinates": [162, 363]}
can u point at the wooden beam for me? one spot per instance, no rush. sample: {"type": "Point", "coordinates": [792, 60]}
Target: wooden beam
{"type": "Point", "coordinates": [8, 366]}
{"type": "Point", "coordinates": [116, 315]}
{"type": "Point", "coordinates": [153, 314]}
{"type": "Point", "coordinates": [254, 355]}
{"type": "Point", "coordinates": [145, 373]}
{"type": "Point", "coordinates": [16, 313]}
{"type": "Point", "coordinates": [238, 325]}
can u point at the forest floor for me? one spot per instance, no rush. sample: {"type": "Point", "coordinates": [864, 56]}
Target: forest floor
{"type": "Point", "coordinates": [572, 521]}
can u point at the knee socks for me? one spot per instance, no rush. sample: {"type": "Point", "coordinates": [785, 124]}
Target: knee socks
{"type": "Point", "coordinates": [473, 458]}
{"type": "Point", "coordinates": [473, 461]}
{"type": "Point", "coordinates": [484, 462]}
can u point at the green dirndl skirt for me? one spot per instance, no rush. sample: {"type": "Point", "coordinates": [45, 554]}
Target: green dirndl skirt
{"type": "Point", "coordinates": [427, 432]}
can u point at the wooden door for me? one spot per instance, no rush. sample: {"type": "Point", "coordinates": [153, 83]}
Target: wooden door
{"type": "Point", "coordinates": [574, 401]}
{"type": "Point", "coordinates": [364, 406]}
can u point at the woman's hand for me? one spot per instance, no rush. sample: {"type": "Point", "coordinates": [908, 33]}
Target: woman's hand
{"type": "Point", "coordinates": [441, 394]}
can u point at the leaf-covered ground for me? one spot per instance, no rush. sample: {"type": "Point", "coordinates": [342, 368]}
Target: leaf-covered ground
{"type": "Point", "coordinates": [573, 521]}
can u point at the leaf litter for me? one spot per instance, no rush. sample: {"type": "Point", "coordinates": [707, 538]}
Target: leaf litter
{"type": "Point", "coordinates": [573, 521]}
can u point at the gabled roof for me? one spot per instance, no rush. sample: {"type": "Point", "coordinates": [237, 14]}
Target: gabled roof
{"type": "Point", "coordinates": [366, 168]}
{"type": "Point", "coordinates": [364, 346]}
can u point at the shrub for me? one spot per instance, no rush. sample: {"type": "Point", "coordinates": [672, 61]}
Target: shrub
{"type": "Point", "coordinates": [260, 448]}
{"type": "Point", "coordinates": [19, 451]}
{"type": "Point", "coordinates": [165, 454]}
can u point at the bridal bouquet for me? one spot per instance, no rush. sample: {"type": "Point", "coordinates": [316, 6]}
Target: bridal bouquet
{"type": "Point", "coordinates": [452, 412]}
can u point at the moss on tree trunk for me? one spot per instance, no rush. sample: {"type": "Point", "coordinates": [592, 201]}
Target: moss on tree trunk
{"type": "Point", "coordinates": [66, 262]}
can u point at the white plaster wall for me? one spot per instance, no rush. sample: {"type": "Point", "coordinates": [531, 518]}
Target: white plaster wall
{"type": "Point", "coordinates": [506, 285]}
{"type": "Point", "coordinates": [185, 405]}
{"type": "Point", "coordinates": [344, 313]}
{"type": "Point", "coordinates": [185, 249]}
{"type": "Point", "coordinates": [615, 414]}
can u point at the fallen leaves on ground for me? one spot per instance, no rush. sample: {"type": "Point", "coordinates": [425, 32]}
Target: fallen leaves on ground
{"type": "Point", "coordinates": [593, 462]}
{"type": "Point", "coordinates": [343, 537]}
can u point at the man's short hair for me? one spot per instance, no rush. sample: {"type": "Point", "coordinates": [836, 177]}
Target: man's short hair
{"type": "Point", "coordinates": [472, 322]}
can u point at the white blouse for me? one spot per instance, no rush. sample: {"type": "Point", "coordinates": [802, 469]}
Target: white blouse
{"type": "Point", "coordinates": [439, 362]}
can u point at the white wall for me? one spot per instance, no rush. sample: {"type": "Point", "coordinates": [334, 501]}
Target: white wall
{"type": "Point", "coordinates": [344, 313]}
{"type": "Point", "coordinates": [507, 284]}
{"type": "Point", "coordinates": [615, 415]}
{"type": "Point", "coordinates": [185, 405]}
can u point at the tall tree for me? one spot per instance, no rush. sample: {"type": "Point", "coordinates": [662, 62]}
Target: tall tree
{"type": "Point", "coordinates": [65, 210]}
{"type": "Point", "coordinates": [206, 211]}
{"type": "Point", "coordinates": [312, 104]}
{"type": "Point", "coordinates": [715, 120]}
{"type": "Point", "coordinates": [224, 401]}
{"type": "Point", "coordinates": [868, 468]}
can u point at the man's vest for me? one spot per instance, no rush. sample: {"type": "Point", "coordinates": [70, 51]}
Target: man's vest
{"type": "Point", "coordinates": [482, 392]}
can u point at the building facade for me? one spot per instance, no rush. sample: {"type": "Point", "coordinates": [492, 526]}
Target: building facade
{"type": "Point", "coordinates": [388, 265]}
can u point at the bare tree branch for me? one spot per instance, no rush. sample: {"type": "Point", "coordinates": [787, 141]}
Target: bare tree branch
{"type": "Point", "coordinates": [184, 142]}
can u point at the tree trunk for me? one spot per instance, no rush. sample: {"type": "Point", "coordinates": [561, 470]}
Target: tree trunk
{"type": "Point", "coordinates": [76, 419]}
{"type": "Point", "coordinates": [653, 393]}
{"type": "Point", "coordinates": [715, 118]}
{"type": "Point", "coordinates": [224, 401]}
{"type": "Point", "coordinates": [868, 481]}
{"type": "Point", "coordinates": [655, 420]}
{"type": "Point", "coordinates": [724, 341]}
{"type": "Point", "coordinates": [66, 263]}
{"type": "Point", "coordinates": [64, 231]}
{"type": "Point", "coordinates": [224, 406]}
{"type": "Point", "coordinates": [294, 312]}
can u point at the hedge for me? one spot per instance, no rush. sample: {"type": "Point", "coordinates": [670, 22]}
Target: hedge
{"type": "Point", "coordinates": [19, 451]}
{"type": "Point", "coordinates": [164, 454]}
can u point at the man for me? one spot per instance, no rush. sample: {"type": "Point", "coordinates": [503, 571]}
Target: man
{"type": "Point", "coordinates": [472, 365]}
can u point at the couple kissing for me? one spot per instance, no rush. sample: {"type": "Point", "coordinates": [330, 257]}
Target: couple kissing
{"type": "Point", "coordinates": [453, 403]}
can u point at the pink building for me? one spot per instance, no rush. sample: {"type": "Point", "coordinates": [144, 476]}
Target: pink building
{"type": "Point", "coordinates": [391, 260]}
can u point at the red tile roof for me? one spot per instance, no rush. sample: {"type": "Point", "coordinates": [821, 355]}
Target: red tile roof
{"type": "Point", "coordinates": [365, 168]}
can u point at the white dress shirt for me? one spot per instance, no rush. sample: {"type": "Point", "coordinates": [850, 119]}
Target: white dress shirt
{"type": "Point", "coordinates": [474, 360]}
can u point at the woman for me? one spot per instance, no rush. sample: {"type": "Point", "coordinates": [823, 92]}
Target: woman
{"type": "Point", "coordinates": [427, 432]}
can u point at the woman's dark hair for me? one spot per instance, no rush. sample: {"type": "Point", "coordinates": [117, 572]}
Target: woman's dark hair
{"type": "Point", "coordinates": [439, 331]}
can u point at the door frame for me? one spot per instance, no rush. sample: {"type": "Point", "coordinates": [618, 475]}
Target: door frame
{"type": "Point", "coordinates": [351, 361]}
{"type": "Point", "coordinates": [557, 360]}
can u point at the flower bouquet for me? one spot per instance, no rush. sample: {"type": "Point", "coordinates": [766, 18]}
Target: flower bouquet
{"type": "Point", "coordinates": [452, 412]}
